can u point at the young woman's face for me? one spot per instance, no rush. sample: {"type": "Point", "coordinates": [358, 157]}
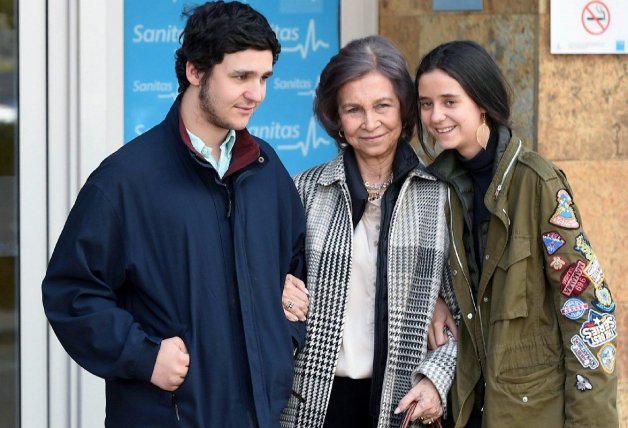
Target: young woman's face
{"type": "Point", "coordinates": [449, 114]}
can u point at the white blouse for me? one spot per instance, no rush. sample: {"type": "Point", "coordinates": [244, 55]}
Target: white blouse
{"type": "Point", "coordinates": [356, 352]}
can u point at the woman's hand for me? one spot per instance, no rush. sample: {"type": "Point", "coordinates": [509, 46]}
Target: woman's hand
{"type": "Point", "coordinates": [441, 321]}
{"type": "Point", "coordinates": [429, 406]}
{"type": "Point", "coordinates": [295, 299]}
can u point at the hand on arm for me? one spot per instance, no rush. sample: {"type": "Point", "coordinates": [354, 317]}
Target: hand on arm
{"type": "Point", "coordinates": [172, 364]}
{"type": "Point", "coordinates": [441, 321]}
{"type": "Point", "coordinates": [295, 299]}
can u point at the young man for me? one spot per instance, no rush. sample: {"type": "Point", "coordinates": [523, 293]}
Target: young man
{"type": "Point", "coordinates": [166, 280]}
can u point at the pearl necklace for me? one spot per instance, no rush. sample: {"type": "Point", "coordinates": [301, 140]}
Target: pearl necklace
{"type": "Point", "coordinates": [376, 190]}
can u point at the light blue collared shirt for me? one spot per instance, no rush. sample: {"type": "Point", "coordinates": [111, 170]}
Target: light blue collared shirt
{"type": "Point", "coordinates": [226, 148]}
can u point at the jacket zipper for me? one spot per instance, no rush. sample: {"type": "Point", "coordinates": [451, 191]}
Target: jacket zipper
{"type": "Point", "coordinates": [453, 243]}
{"type": "Point", "coordinates": [176, 407]}
{"type": "Point", "coordinates": [478, 311]}
{"type": "Point", "coordinates": [512, 161]}
{"type": "Point", "coordinates": [228, 192]}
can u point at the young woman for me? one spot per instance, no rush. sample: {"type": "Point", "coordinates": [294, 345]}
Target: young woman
{"type": "Point", "coordinates": [538, 339]}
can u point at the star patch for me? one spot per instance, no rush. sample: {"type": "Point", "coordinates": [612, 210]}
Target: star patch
{"type": "Point", "coordinates": [594, 272]}
{"type": "Point", "coordinates": [583, 354]}
{"type": "Point", "coordinates": [557, 263]}
{"type": "Point", "coordinates": [603, 299]}
{"type": "Point", "coordinates": [573, 281]}
{"type": "Point", "coordinates": [582, 383]}
{"type": "Point", "coordinates": [574, 308]}
{"type": "Point", "coordinates": [552, 241]}
{"type": "Point", "coordinates": [606, 355]}
{"type": "Point", "coordinates": [598, 329]}
{"type": "Point", "coordinates": [583, 247]}
{"type": "Point", "coordinates": [564, 216]}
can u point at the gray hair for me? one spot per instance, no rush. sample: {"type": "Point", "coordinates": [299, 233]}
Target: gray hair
{"type": "Point", "coordinates": [355, 60]}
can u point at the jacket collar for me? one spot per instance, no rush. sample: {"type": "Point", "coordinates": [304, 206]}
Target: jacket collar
{"type": "Point", "coordinates": [344, 169]}
{"type": "Point", "coordinates": [406, 163]}
{"type": "Point", "coordinates": [246, 149]}
{"type": "Point", "coordinates": [447, 167]}
{"type": "Point", "coordinates": [333, 172]}
{"type": "Point", "coordinates": [508, 151]}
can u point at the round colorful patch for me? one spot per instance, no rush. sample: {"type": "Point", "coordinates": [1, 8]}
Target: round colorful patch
{"type": "Point", "coordinates": [574, 308]}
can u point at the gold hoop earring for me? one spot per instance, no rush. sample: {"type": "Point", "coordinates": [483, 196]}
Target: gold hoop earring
{"type": "Point", "coordinates": [483, 133]}
{"type": "Point", "coordinates": [340, 134]}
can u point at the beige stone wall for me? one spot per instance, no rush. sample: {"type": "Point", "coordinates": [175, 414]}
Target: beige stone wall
{"type": "Point", "coordinates": [573, 109]}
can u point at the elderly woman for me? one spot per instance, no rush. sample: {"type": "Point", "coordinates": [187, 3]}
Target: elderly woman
{"type": "Point", "coordinates": [377, 250]}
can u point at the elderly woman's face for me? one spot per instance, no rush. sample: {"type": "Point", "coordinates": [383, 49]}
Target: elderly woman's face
{"type": "Point", "coordinates": [370, 116]}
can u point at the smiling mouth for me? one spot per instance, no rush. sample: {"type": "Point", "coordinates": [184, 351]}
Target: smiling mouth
{"type": "Point", "coordinates": [444, 130]}
{"type": "Point", "coordinates": [372, 137]}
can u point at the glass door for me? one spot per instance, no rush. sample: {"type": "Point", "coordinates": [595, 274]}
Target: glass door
{"type": "Point", "coordinates": [8, 217]}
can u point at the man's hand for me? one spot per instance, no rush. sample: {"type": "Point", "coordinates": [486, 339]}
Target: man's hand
{"type": "Point", "coordinates": [172, 364]}
{"type": "Point", "coordinates": [441, 321]}
{"type": "Point", "coordinates": [295, 299]}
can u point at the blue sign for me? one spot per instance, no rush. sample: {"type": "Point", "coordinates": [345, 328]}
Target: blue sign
{"type": "Point", "coordinates": [457, 4]}
{"type": "Point", "coordinates": [308, 33]}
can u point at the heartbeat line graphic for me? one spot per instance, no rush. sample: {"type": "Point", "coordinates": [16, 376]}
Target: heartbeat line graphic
{"type": "Point", "coordinates": [311, 92]}
{"type": "Point", "coordinates": [310, 139]}
{"type": "Point", "coordinates": [172, 95]}
{"type": "Point", "coordinates": [310, 42]}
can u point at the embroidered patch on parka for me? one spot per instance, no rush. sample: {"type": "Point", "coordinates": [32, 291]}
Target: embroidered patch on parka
{"type": "Point", "coordinates": [598, 329]}
{"type": "Point", "coordinates": [583, 246]}
{"type": "Point", "coordinates": [573, 281]}
{"type": "Point", "coordinates": [584, 356]}
{"type": "Point", "coordinates": [564, 215]}
{"type": "Point", "coordinates": [574, 308]}
{"type": "Point", "coordinates": [594, 271]}
{"type": "Point", "coordinates": [583, 383]}
{"type": "Point", "coordinates": [603, 299]}
{"type": "Point", "coordinates": [606, 355]}
{"type": "Point", "coordinates": [552, 242]}
{"type": "Point", "coordinates": [557, 263]}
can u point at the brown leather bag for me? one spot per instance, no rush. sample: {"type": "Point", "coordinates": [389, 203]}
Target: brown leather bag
{"type": "Point", "coordinates": [406, 420]}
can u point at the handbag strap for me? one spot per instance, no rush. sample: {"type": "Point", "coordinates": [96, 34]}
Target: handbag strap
{"type": "Point", "coordinates": [407, 421]}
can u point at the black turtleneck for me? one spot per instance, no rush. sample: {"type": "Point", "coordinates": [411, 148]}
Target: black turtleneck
{"type": "Point", "coordinates": [480, 169]}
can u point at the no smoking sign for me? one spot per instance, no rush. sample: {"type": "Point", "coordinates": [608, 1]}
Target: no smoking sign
{"type": "Point", "coordinates": [596, 17]}
{"type": "Point", "coordinates": [584, 26]}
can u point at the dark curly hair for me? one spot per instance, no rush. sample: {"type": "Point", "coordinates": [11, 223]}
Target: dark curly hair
{"type": "Point", "coordinates": [355, 60]}
{"type": "Point", "coordinates": [217, 28]}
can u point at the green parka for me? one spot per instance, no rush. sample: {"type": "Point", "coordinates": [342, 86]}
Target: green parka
{"type": "Point", "coordinates": [542, 329]}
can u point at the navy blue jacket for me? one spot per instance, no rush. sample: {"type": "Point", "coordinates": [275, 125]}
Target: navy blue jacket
{"type": "Point", "coordinates": [158, 246]}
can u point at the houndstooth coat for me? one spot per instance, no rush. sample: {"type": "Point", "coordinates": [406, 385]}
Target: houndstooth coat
{"type": "Point", "coordinates": [417, 274]}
